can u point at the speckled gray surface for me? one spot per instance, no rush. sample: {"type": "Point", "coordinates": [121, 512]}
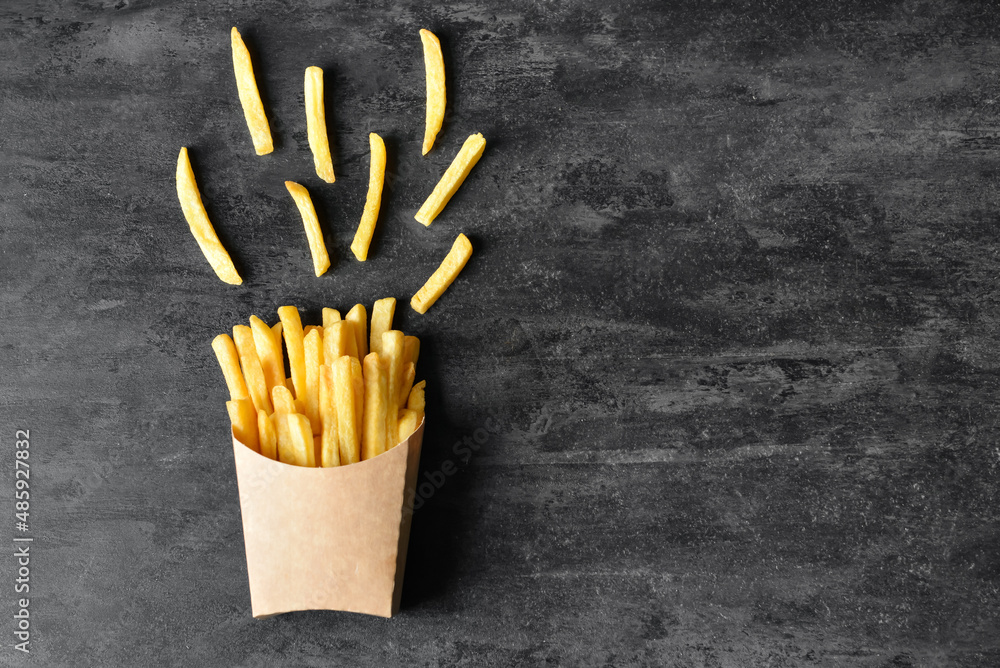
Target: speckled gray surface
{"type": "Point", "coordinates": [730, 329]}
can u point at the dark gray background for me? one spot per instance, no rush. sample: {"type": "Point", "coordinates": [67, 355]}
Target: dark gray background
{"type": "Point", "coordinates": [732, 308]}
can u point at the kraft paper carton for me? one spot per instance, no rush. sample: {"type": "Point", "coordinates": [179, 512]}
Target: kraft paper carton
{"type": "Point", "coordinates": [327, 538]}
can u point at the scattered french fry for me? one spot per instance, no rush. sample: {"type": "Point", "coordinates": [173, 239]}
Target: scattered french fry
{"type": "Point", "coordinates": [409, 420]}
{"type": "Point", "coordinates": [316, 124]}
{"type": "Point", "coordinates": [320, 258]}
{"type": "Point", "coordinates": [229, 360]}
{"type": "Point", "coordinates": [443, 276]}
{"type": "Point", "coordinates": [269, 353]}
{"type": "Point", "coordinates": [329, 439]}
{"type": "Point", "coordinates": [276, 332]}
{"type": "Point", "coordinates": [348, 429]}
{"type": "Point", "coordinates": [374, 437]}
{"type": "Point", "coordinates": [436, 97]}
{"type": "Point", "coordinates": [292, 329]}
{"type": "Point", "coordinates": [243, 417]}
{"type": "Point", "coordinates": [313, 345]}
{"type": "Point", "coordinates": [453, 177]}
{"type": "Point", "coordinates": [359, 317]}
{"type": "Point", "coordinates": [392, 353]}
{"type": "Point", "coordinates": [416, 400]}
{"type": "Point", "coordinates": [282, 400]}
{"type": "Point", "coordinates": [246, 84]}
{"type": "Point", "coordinates": [382, 314]}
{"type": "Point", "coordinates": [376, 178]}
{"type": "Point", "coordinates": [253, 374]}
{"type": "Point", "coordinates": [200, 225]}
{"type": "Point", "coordinates": [268, 437]}
{"type": "Point", "coordinates": [295, 440]}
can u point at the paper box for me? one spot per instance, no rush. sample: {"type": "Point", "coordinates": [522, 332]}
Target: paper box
{"type": "Point", "coordinates": [327, 538]}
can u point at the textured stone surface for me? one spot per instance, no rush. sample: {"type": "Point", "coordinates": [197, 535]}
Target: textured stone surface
{"type": "Point", "coordinates": [732, 320]}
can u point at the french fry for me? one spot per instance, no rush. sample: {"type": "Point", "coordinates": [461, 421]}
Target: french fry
{"type": "Point", "coordinates": [295, 440]}
{"type": "Point", "coordinates": [246, 84]}
{"type": "Point", "coordinates": [392, 353]}
{"type": "Point", "coordinates": [406, 384]}
{"type": "Point", "coordinates": [229, 360]}
{"type": "Point", "coordinates": [243, 417]}
{"type": "Point", "coordinates": [268, 437]}
{"type": "Point", "coordinates": [443, 276]}
{"type": "Point", "coordinates": [411, 349]}
{"type": "Point", "coordinates": [276, 330]}
{"type": "Point", "coordinates": [308, 328]}
{"type": "Point", "coordinates": [269, 353]}
{"type": "Point", "coordinates": [313, 345]}
{"type": "Point", "coordinates": [316, 124]}
{"type": "Point", "coordinates": [282, 400]}
{"type": "Point", "coordinates": [376, 178]}
{"type": "Point", "coordinates": [200, 225]}
{"type": "Point", "coordinates": [329, 439]}
{"type": "Point", "coordinates": [358, 385]}
{"type": "Point", "coordinates": [359, 316]}
{"type": "Point", "coordinates": [434, 70]}
{"type": "Point", "coordinates": [320, 258]}
{"type": "Point", "coordinates": [453, 177]}
{"type": "Point", "coordinates": [348, 429]}
{"type": "Point", "coordinates": [409, 420]}
{"type": "Point", "coordinates": [382, 313]}
{"type": "Point", "coordinates": [330, 316]}
{"type": "Point", "coordinates": [416, 400]}
{"type": "Point", "coordinates": [340, 340]}
{"type": "Point", "coordinates": [374, 437]}
{"type": "Point", "coordinates": [252, 371]}
{"type": "Point", "coordinates": [292, 329]}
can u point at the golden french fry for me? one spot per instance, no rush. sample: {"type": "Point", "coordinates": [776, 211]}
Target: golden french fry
{"type": "Point", "coordinates": [359, 316]}
{"type": "Point", "coordinates": [268, 437]}
{"type": "Point", "coordinates": [316, 124]}
{"type": "Point", "coordinates": [300, 406]}
{"type": "Point", "coordinates": [416, 400]}
{"type": "Point", "coordinates": [358, 385]}
{"type": "Point", "coordinates": [330, 316]}
{"type": "Point", "coordinates": [409, 420]}
{"type": "Point", "coordinates": [200, 225]}
{"type": "Point", "coordinates": [320, 258]}
{"type": "Point", "coordinates": [392, 354]}
{"type": "Point", "coordinates": [243, 417]}
{"type": "Point", "coordinates": [411, 349]}
{"type": "Point", "coordinates": [313, 345]}
{"type": "Point", "coordinates": [229, 360]}
{"type": "Point", "coordinates": [443, 276]}
{"type": "Point", "coordinates": [453, 177]}
{"type": "Point", "coordinates": [329, 440]}
{"type": "Point", "coordinates": [406, 384]}
{"type": "Point", "coordinates": [340, 340]}
{"type": "Point", "coordinates": [434, 69]}
{"type": "Point", "coordinates": [252, 371]}
{"type": "Point", "coordinates": [246, 84]}
{"type": "Point", "coordinates": [290, 385]}
{"type": "Point", "coordinates": [276, 331]}
{"type": "Point", "coordinates": [376, 376]}
{"type": "Point", "coordinates": [295, 439]}
{"type": "Point", "coordinates": [382, 313]}
{"type": "Point", "coordinates": [269, 353]}
{"type": "Point", "coordinates": [376, 177]}
{"type": "Point", "coordinates": [308, 328]}
{"type": "Point", "coordinates": [348, 429]}
{"type": "Point", "coordinates": [292, 329]}
{"type": "Point", "coordinates": [282, 399]}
